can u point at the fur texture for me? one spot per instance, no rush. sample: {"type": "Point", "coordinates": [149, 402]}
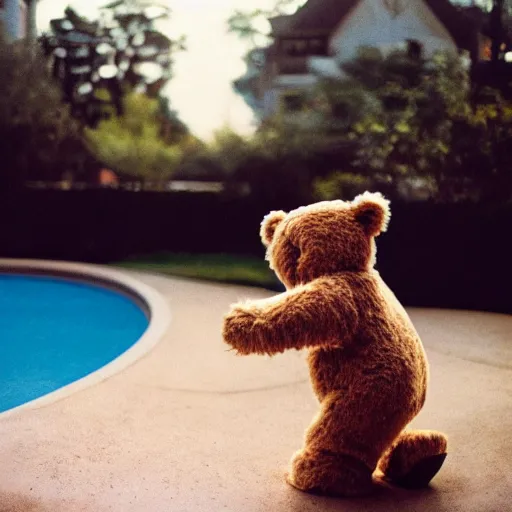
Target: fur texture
{"type": "Point", "coordinates": [367, 364]}
{"type": "Point", "coordinates": [408, 450]}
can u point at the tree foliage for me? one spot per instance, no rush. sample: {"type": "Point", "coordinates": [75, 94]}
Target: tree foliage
{"type": "Point", "coordinates": [122, 50]}
{"type": "Point", "coordinates": [39, 137]}
{"type": "Point", "coordinates": [275, 163]}
{"type": "Point", "coordinates": [252, 25]}
{"type": "Point", "coordinates": [172, 129]}
{"type": "Point", "coordinates": [408, 126]}
{"type": "Point", "coordinates": [410, 119]}
{"type": "Point", "coordinates": [132, 145]}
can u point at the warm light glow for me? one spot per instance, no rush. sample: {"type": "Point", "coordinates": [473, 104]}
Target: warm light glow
{"type": "Point", "coordinates": [508, 57]}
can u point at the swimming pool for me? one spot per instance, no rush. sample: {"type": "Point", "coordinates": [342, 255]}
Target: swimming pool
{"type": "Point", "coordinates": [55, 331]}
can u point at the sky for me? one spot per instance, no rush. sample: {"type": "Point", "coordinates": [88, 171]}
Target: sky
{"type": "Point", "coordinates": [201, 90]}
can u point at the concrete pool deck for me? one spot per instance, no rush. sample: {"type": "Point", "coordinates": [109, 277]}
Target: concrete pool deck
{"type": "Point", "coordinates": [190, 427]}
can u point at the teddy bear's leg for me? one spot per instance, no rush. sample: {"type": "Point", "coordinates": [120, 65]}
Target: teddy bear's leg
{"type": "Point", "coordinates": [414, 458]}
{"type": "Point", "coordinates": [330, 474]}
{"type": "Point", "coordinates": [342, 447]}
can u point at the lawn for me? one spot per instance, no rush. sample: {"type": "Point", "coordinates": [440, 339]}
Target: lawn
{"type": "Point", "coordinates": [225, 268]}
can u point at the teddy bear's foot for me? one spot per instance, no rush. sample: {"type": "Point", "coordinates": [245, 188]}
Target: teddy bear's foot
{"type": "Point", "coordinates": [414, 458]}
{"type": "Point", "coordinates": [330, 474]}
{"type": "Point", "coordinates": [422, 473]}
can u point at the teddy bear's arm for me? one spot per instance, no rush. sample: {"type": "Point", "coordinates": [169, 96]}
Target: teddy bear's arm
{"type": "Point", "coordinates": [320, 313]}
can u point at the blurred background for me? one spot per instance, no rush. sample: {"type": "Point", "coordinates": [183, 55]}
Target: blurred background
{"type": "Point", "coordinates": [156, 135]}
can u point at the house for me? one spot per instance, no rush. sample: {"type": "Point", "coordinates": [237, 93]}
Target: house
{"type": "Point", "coordinates": [18, 18]}
{"type": "Point", "coordinates": [323, 34]}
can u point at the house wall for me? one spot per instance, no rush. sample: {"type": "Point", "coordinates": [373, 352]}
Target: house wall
{"type": "Point", "coordinates": [286, 85]}
{"type": "Point", "coordinates": [270, 102]}
{"type": "Point", "coordinates": [2, 17]}
{"type": "Point", "coordinates": [22, 19]}
{"type": "Point", "coordinates": [13, 17]}
{"type": "Point", "coordinates": [385, 24]}
{"type": "Point", "coordinates": [376, 23]}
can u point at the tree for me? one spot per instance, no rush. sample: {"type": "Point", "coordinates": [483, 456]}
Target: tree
{"type": "Point", "coordinates": [252, 26]}
{"type": "Point", "coordinates": [493, 19]}
{"type": "Point", "coordinates": [132, 145]}
{"type": "Point", "coordinates": [173, 130]}
{"type": "Point", "coordinates": [276, 163]}
{"type": "Point", "coordinates": [41, 140]}
{"type": "Point", "coordinates": [409, 119]}
{"type": "Point", "coordinates": [123, 50]}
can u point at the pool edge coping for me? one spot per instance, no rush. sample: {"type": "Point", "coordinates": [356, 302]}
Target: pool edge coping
{"type": "Point", "coordinates": [150, 300]}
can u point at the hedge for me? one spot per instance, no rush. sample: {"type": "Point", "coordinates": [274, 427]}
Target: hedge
{"type": "Point", "coordinates": [449, 256]}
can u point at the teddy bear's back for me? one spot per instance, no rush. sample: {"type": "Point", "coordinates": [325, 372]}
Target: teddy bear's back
{"type": "Point", "coordinates": [384, 363]}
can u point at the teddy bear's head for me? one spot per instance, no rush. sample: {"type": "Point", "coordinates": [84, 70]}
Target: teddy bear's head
{"type": "Point", "coordinates": [324, 238]}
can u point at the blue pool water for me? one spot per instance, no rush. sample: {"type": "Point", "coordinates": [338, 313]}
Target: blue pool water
{"type": "Point", "coordinates": [54, 332]}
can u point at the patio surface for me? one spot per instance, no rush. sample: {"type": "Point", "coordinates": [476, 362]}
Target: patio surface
{"type": "Point", "coordinates": [191, 427]}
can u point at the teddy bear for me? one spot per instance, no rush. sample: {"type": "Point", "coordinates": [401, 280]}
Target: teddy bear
{"type": "Point", "coordinates": [366, 361]}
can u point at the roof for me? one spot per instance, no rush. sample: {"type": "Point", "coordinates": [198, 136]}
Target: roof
{"type": "Point", "coordinates": [280, 24]}
{"type": "Point", "coordinates": [462, 28]}
{"type": "Point", "coordinates": [323, 16]}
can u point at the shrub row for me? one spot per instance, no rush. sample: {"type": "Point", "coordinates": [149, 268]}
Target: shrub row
{"type": "Point", "coordinates": [455, 256]}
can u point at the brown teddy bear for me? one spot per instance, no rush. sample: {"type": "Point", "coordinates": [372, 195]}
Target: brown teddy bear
{"type": "Point", "coordinates": [367, 364]}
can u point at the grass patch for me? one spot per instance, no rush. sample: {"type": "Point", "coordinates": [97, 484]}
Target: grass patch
{"type": "Point", "coordinates": [225, 268]}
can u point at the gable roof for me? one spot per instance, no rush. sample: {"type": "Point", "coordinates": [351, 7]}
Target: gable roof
{"type": "Point", "coordinates": [323, 16]}
{"type": "Point", "coordinates": [460, 26]}
{"type": "Point", "coordinates": [280, 24]}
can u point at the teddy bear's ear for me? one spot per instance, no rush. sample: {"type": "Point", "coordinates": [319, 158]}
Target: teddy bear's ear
{"type": "Point", "coordinates": [269, 225]}
{"type": "Point", "coordinates": [372, 212]}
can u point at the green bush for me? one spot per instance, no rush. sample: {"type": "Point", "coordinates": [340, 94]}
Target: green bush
{"type": "Point", "coordinates": [227, 268]}
{"type": "Point", "coordinates": [340, 184]}
{"type": "Point", "coordinates": [408, 119]}
{"type": "Point", "coordinates": [408, 126]}
{"type": "Point", "coordinates": [132, 145]}
{"type": "Point", "coordinates": [277, 163]}
{"type": "Point", "coordinates": [41, 140]}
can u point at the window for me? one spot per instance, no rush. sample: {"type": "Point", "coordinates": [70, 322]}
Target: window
{"type": "Point", "coordinates": [318, 46]}
{"type": "Point", "coordinates": [304, 47]}
{"type": "Point", "coordinates": [414, 49]}
{"type": "Point", "coordinates": [485, 48]}
{"type": "Point", "coordinates": [294, 47]}
{"type": "Point", "coordinates": [292, 102]}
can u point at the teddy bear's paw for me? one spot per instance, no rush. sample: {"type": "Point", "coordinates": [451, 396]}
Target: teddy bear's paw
{"type": "Point", "coordinates": [237, 327]}
{"type": "Point", "coordinates": [422, 472]}
{"type": "Point", "coordinates": [414, 458]}
{"type": "Point", "coordinates": [330, 474]}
